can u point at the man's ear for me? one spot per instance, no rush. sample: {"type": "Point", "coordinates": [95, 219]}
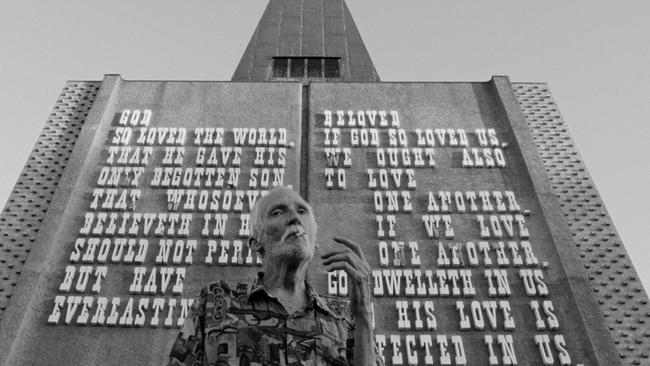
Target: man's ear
{"type": "Point", "coordinates": [255, 246]}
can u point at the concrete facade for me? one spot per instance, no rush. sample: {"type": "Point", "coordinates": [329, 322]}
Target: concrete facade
{"type": "Point", "coordinates": [52, 316]}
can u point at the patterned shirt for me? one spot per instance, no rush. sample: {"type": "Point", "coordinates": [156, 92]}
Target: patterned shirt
{"type": "Point", "coordinates": [228, 327]}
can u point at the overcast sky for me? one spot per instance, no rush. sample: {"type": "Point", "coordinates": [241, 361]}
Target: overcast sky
{"type": "Point", "coordinates": [595, 56]}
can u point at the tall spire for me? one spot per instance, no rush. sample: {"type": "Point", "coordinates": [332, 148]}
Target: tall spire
{"type": "Point", "coordinates": [294, 32]}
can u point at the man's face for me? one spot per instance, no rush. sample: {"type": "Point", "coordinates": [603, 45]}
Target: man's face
{"type": "Point", "coordinates": [288, 226]}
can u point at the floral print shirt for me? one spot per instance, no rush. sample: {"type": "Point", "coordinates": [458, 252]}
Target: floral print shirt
{"type": "Point", "coordinates": [238, 327]}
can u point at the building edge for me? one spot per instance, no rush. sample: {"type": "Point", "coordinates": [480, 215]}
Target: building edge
{"type": "Point", "coordinates": [29, 201]}
{"type": "Point", "coordinates": [616, 286]}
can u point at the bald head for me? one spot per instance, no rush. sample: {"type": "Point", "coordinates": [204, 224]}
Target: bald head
{"type": "Point", "coordinates": [282, 216]}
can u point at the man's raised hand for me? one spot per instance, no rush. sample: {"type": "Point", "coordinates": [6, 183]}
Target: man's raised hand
{"type": "Point", "coordinates": [349, 258]}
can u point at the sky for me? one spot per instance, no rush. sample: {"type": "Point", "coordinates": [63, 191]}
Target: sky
{"type": "Point", "coordinates": [594, 55]}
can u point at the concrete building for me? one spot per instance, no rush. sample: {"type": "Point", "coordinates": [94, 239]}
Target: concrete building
{"type": "Point", "coordinates": [488, 240]}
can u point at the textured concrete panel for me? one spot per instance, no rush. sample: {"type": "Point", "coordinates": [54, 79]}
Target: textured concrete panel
{"type": "Point", "coordinates": [353, 212]}
{"type": "Point", "coordinates": [29, 201]}
{"type": "Point", "coordinates": [195, 106]}
{"type": "Point", "coordinates": [620, 294]}
{"type": "Point", "coordinates": [347, 212]}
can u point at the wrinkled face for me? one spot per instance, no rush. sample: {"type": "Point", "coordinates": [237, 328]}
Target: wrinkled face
{"type": "Point", "coordinates": [288, 228]}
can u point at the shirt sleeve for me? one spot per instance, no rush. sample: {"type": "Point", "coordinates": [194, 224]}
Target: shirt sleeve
{"type": "Point", "coordinates": [188, 348]}
{"type": "Point", "coordinates": [379, 361]}
{"type": "Point", "coordinates": [378, 357]}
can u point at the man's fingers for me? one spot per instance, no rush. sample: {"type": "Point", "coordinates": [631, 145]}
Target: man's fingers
{"type": "Point", "coordinates": [334, 252]}
{"type": "Point", "coordinates": [352, 245]}
{"type": "Point", "coordinates": [346, 257]}
{"type": "Point", "coordinates": [345, 266]}
{"type": "Point", "coordinates": [355, 267]}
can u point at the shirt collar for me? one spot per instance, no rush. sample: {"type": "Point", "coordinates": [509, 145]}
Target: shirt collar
{"type": "Point", "coordinates": [314, 299]}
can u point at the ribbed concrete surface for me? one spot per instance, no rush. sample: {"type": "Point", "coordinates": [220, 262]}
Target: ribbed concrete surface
{"type": "Point", "coordinates": [617, 288]}
{"type": "Point", "coordinates": [31, 196]}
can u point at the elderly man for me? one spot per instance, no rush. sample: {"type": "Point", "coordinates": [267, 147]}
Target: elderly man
{"type": "Point", "coordinates": [282, 320]}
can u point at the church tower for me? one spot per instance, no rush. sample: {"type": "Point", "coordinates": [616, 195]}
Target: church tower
{"type": "Point", "coordinates": [306, 39]}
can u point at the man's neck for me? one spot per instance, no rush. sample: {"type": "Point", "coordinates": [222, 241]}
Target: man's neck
{"type": "Point", "coordinates": [287, 284]}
